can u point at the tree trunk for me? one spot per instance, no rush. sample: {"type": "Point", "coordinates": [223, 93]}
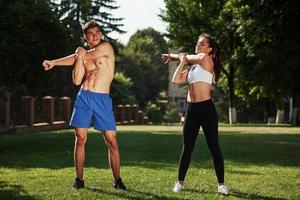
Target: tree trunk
{"type": "Point", "coordinates": [296, 108]}
{"type": "Point", "coordinates": [231, 97]}
{"type": "Point", "coordinates": [280, 110]}
{"type": "Point", "coordinates": [290, 109]}
{"type": "Point", "coordinates": [231, 108]}
{"type": "Point", "coordinates": [232, 115]}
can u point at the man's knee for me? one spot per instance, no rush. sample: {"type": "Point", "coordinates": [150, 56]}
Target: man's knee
{"type": "Point", "coordinates": [81, 137]}
{"type": "Point", "coordinates": [111, 141]}
{"type": "Point", "coordinates": [80, 140]}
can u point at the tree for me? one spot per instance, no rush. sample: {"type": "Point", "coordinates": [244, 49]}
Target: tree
{"type": "Point", "coordinates": [188, 19]}
{"type": "Point", "coordinates": [30, 32]}
{"type": "Point", "coordinates": [259, 43]}
{"type": "Point", "coordinates": [120, 89]}
{"type": "Point", "coordinates": [141, 62]}
{"type": "Point", "coordinates": [74, 13]}
{"type": "Point", "coordinates": [268, 31]}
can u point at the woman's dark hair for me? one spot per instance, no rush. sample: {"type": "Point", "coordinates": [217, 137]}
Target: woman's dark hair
{"type": "Point", "coordinates": [215, 54]}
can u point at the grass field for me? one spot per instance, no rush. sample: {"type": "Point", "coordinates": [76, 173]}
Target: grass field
{"type": "Point", "coordinates": [260, 163]}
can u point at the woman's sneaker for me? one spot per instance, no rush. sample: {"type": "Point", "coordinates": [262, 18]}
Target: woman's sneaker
{"type": "Point", "coordinates": [222, 189]}
{"type": "Point", "coordinates": [178, 187]}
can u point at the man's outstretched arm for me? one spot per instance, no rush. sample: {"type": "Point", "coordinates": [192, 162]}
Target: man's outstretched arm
{"type": "Point", "coordinates": [65, 61]}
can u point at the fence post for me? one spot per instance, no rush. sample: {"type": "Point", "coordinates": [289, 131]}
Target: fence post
{"type": "Point", "coordinates": [66, 108]}
{"type": "Point", "coordinates": [120, 114]}
{"type": "Point", "coordinates": [135, 113]}
{"type": "Point", "coordinates": [146, 120]}
{"type": "Point", "coordinates": [129, 114]}
{"type": "Point", "coordinates": [28, 110]}
{"type": "Point", "coordinates": [5, 110]}
{"type": "Point", "coordinates": [48, 108]}
{"type": "Point", "coordinates": [140, 118]}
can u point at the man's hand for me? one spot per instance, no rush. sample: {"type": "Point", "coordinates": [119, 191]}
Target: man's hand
{"type": "Point", "coordinates": [166, 58]}
{"type": "Point", "coordinates": [80, 52]}
{"type": "Point", "coordinates": [48, 64]}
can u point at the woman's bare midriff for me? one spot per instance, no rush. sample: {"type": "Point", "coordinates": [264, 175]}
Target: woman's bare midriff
{"type": "Point", "coordinates": [199, 91]}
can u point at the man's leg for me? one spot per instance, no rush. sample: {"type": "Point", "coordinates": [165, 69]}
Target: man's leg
{"type": "Point", "coordinates": [79, 150]}
{"type": "Point", "coordinates": [110, 138]}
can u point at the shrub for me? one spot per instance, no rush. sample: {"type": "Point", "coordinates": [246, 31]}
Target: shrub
{"type": "Point", "coordinates": [154, 113]}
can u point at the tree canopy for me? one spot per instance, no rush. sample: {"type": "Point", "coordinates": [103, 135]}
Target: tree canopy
{"type": "Point", "coordinates": [141, 62]}
{"type": "Point", "coordinates": [258, 39]}
{"type": "Point", "coordinates": [30, 31]}
{"type": "Point", "coordinates": [74, 13]}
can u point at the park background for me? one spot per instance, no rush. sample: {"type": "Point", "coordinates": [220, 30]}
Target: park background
{"type": "Point", "coordinates": [257, 97]}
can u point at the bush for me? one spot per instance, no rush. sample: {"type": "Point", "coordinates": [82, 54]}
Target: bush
{"type": "Point", "coordinates": [172, 113]}
{"type": "Point", "coordinates": [154, 113]}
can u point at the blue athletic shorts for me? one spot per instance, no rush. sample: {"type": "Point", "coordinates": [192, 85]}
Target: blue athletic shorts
{"type": "Point", "coordinates": [94, 106]}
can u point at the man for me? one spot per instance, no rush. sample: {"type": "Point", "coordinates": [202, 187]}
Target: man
{"type": "Point", "coordinates": [94, 71]}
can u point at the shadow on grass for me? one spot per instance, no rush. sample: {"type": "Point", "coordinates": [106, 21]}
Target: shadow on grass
{"type": "Point", "coordinates": [131, 194]}
{"type": "Point", "coordinates": [146, 149]}
{"type": "Point", "coordinates": [11, 191]}
{"type": "Point", "coordinates": [235, 193]}
{"type": "Point", "coordinates": [252, 196]}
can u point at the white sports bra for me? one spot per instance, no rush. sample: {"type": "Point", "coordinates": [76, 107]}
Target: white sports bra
{"type": "Point", "coordinates": [197, 73]}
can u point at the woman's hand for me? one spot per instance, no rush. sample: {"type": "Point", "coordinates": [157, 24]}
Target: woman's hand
{"type": "Point", "coordinates": [182, 58]}
{"type": "Point", "coordinates": [166, 58]}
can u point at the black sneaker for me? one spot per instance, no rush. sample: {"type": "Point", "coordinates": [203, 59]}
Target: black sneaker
{"type": "Point", "coordinates": [118, 184]}
{"type": "Point", "coordinates": [78, 184]}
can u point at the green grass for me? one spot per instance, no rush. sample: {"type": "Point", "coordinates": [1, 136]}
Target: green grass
{"type": "Point", "coordinates": [260, 163]}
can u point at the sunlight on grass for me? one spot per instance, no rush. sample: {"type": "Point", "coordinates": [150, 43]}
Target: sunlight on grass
{"type": "Point", "coordinates": [260, 163]}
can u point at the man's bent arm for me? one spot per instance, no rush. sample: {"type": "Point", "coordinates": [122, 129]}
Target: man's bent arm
{"type": "Point", "coordinates": [78, 71]}
{"type": "Point", "coordinates": [103, 49]}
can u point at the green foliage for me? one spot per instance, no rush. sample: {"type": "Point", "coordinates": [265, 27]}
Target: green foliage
{"type": "Point", "coordinates": [172, 113]}
{"type": "Point", "coordinates": [30, 32]}
{"type": "Point", "coordinates": [154, 113]}
{"type": "Point", "coordinates": [188, 19]}
{"type": "Point", "coordinates": [270, 49]}
{"type": "Point", "coordinates": [258, 39]}
{"type": "Point", "coordinates": [74, 13]}
{"type": "Point", "coordinates": [265, 49]}
{"type": "Point", "coordinates": [140, 60]}
{"type": "Point", "coordinates": [120, 89]}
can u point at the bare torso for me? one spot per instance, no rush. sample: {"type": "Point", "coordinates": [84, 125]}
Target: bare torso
{"type": "Point", "coordinates": [99, 72]}
{"type": "Point", "coordinates": [199, 91]}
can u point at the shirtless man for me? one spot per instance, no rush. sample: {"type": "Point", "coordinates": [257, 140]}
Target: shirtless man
{"type": "Point", "coordinates": [94, 71]}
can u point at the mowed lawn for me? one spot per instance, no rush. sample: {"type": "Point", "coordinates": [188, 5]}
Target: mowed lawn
{"type": "Point", "coordinates": [260, 163]}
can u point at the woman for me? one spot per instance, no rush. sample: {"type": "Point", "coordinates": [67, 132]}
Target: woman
{"type": "Point", "coordinates": [200, 111]}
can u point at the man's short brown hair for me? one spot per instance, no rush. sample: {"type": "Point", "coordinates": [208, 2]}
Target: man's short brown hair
{"type": "Point", "coordinates": [90, 24]}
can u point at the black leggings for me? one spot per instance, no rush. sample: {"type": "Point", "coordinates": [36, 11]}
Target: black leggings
{"type": "Point", "coordinates": [201, 114]}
